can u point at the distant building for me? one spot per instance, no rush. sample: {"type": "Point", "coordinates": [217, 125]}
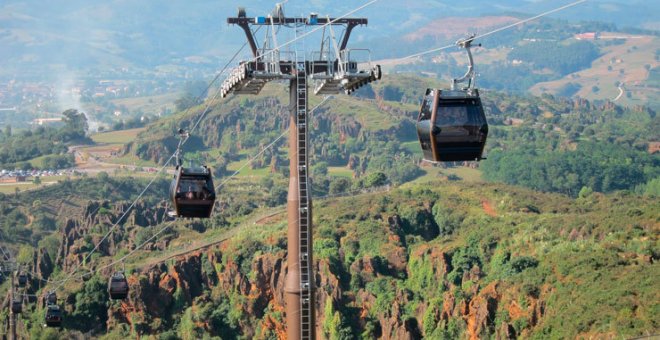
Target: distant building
{"type": "Point", "coordinates": [42, 121]}
{"type": "Point", "coordinates": [587, 36]}
{"type": "Point", "coordinates": [13, 179]}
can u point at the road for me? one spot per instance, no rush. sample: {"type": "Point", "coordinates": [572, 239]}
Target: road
{"type": "Point", "coordinates": [620, 92]}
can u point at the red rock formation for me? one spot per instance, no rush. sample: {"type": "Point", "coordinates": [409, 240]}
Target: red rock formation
{"type": "Point", "coordinates": [482, 311]}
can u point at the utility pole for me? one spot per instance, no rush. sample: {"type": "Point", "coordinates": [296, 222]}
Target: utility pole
{"type": "Point", "coordinates": [332, 74]}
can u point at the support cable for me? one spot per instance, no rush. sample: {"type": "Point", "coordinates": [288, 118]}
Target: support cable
{"type": "Point", "coordinates": [204, 112]}
{"type": "Point", "coordinates": [169, 224]}
{"type": "Point", "coordinates": [157, 174]}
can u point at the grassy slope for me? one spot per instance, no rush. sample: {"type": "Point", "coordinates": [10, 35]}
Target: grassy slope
{"type": "Point", "coordinates": [149, 104]}
{"type": "Point", "coordinates": [631, 57]}
{"type": "Point", "coordinates": [116, 137]}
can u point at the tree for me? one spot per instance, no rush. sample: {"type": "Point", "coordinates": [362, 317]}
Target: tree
{"type": "Point", "coordinates": [339, 185]}
{"type": "Point", "coordinates": [652, 188]}
{"type": "Point", "coordinates": [375, 179]}
{"type": "Point", "coordinates": [90, 306]}
{"type": "Point", "coordinates": [446, 219]}
{"type": "Point", "coordinates": [75, 121]}
{"type": "Point", "coordinates": [103, 176]}
{"type": "Point", "coordinates": [320, 169]}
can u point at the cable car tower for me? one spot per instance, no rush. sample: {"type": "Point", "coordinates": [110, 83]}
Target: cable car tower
{"type": "Point", "coordinates": [333, 70]}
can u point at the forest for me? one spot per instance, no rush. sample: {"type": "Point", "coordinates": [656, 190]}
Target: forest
{"type": "Point", "coordinates": [598, 167]}
{"type": "Point", "coordinates": [19, 148]}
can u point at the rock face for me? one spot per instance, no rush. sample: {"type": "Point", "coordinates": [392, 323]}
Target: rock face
{"type": "Point", "coordinates": [162, 292]}
{"type": "Point", "coordinates": [80, 234]}
{"type": "Point", "coordinates": [249, 283]}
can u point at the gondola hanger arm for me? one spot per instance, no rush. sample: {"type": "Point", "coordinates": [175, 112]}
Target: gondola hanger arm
{"type": "Point", "coordinates": [469, 76]}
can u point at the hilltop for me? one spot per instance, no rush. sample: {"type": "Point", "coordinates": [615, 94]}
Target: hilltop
{"type": "Point", "coordinates": [622, 73]}
{"type": "Point", "coordinates": [131, 38]}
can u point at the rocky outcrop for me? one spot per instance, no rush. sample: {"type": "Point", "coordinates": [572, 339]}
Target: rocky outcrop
{"type": "Point", "coordinates": [81, 233]}
{"type": "Point", "coordinates": [481, 313]}
{"type": "Point", "coordinates": [43, 265]}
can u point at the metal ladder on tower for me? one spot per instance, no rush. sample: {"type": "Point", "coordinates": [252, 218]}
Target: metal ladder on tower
{"type": "Point", "coordinates": [306, 331]}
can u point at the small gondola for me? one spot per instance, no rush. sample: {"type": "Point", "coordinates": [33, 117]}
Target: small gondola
{"type": "Point", "coordinates": [118, 286]}
{"type": "Point", "coordinates": [451, 125]}
{"type": "Point", "coordinates": [192, 192]}
{"type": "Point", "coordinates": [22, 279]}
{"type": "Point", "coordinates": [53, 316]}
{"type": "Point", "coordinates": [16, 306]}
{"type": "Point", "coordinates": [50, 298]}
{"type": "Point", "coordinates": [86, 276]}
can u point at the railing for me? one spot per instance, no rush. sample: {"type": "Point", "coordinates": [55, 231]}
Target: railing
{"type": "Point", "coordinates": [353, 58]}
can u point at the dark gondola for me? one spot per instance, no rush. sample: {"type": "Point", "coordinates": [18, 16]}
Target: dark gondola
{"type": "Point", "coordinates": [118, 286]}
{"type": "Point", "coordinates": [22, 279]}
{"type": "Point", "coordinates": [16, 306]}
{"type": "Point", "coordinates": [192, 192]}
{"type": "Point", "coordinates": [86, 276]}
{"type": "Point", "coordinates": [50, 298]}
{"type": "Point", "coordinates": [452, 126]}
{"type": "Point", "coordinates": [53, 316]}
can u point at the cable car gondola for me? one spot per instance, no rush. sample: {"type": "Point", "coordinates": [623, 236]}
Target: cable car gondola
{"type": "Point", "coordinates": [86, 276]}
{"type": "Point", "coordinates": [22, 279]}
{"type": "Point", "coordinates": [16, 306]}
{"type": "Point", "coordinates": [451, 125]}
{"type": "Point", "coordinates": [191, 191]}
{"type": "Point", "coordinates": [118, 286]}
{"type": "Point", "coordinates": [53, 316]}
{"type": "Point", "coordinates": [50, 298]}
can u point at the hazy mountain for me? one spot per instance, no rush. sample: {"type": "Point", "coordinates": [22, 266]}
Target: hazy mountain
{"type": "Point", "coordinates": [41, 38]}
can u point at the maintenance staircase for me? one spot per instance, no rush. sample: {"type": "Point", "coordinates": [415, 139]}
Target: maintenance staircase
{"type": "Point", "coordinates": [306, 310]}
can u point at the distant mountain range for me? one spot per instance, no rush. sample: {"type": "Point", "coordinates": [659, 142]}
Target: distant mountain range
{"type": "Point", "coordinates": [39, 38]}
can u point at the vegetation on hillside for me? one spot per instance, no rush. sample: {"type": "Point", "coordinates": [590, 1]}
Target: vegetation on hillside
{"type": "Point", "coordinates": [545, 265]}
{"type": "Point", "coordinates": [18, 149]}
{"type": "Point", "coordinates": [442, 259]}
{"type": "Point", "coordinates": [600, 167]}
